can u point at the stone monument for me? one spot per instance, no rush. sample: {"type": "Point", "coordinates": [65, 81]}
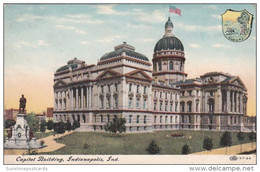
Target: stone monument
{"type": "Point", "coordinates": [20, 136]}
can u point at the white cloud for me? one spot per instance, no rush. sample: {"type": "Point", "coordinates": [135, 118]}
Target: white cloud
{"type": "Point", "coordinates": [220, 46]}
{"type": "Point", "coordinates": [194, 45]}
{"type": "Point", "coordinates": [21, 44]}
{"type": "Point", "coordinates": [84, 43]}
{"type": "Point", "coordinates": [109, 9]}
{"type": "Point", "coordinates": [188, 27]}
{"type": "Point", "coordinates": [146, 40]}
{"type": "Point", "coordinates": [152, 17]}
{"type": "Point", "coordinates": [109, 38]}
{"type": "Point", "coordinates": [43, 43]}
{"type": "Point", "coordinates": [212, 7]}
{"type": "Point", "coordinates": [63, 27]}
{"type": "Point", "coordinates": [72, 18]}
{"type": "Point", "coordinates": [216, 16]}
{"type": "Point", "coordinates": [137, 26]}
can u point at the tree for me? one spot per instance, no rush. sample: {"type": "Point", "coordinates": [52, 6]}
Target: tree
{"type": "Point", "coordinates": [59, 128]}
{"type": "Point", "coordinates": [226, 140]}
{"type": "Point", "coordinates": [50, 125]}
{"type": "Point", "coordinates": [43, 127]}
{"type": "Point", "coordinates": [33, 122]}
{"type": "Point", "coordinates": [240, 138]}
{"type": "Point", "coordinates": [208, 144]}
{"type": "Point", "coordinates": [153, 148]}
{"type": "Point", "coordinates": [115, 126]}
{"type": "Point", "coordinates": [76, 124]}
{"type": "Point", "coordinates": [252, 137]}
{"type": "Point", "coordinates": [68, 125]}
{"type": "Point", "coordinates": [9, 123]}
{"type": "Point", "coordinates": [185, 149]}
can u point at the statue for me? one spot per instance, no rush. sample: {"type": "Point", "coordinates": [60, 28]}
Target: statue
{"type": "Point", "coordinates": [22, 104]}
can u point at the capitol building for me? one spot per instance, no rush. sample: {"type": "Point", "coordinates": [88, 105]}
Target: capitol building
{"type": "Point", "coordinates": [151, 96]}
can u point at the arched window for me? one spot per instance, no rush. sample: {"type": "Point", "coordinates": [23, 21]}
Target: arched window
{"type": "Point", "coordinates": [211, 105]}
{"type": "Point", "coordinates": [182, 106]}
{"type": "Point", "coordinates": [115, 102]}
{"type": "Point", "coordinates": [101, 103]}
{"type": "Point", "coordinates": [160, 66]}
{"type": "Point", "coordinates": [189, 106]}
{"type": "Point", "coordinates": [108, 102]}
{"type": "Point", "coordinates": [171, 65]}
{"type": "Point", "coordinates": [130, 102]}
{"type": "Point", "coordinates": [144, 104]}
{"type": "Point", "coordinates": [137, 103]}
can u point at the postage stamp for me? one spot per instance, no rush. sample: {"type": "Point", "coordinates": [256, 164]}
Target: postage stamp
{"type": "Point", "coordinates": [129, 84]}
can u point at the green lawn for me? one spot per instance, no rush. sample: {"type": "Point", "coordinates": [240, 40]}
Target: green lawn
{"type": "Point", "coordinates": [105, 143]}
{"type": "Point", "coordinates": [40, 135]}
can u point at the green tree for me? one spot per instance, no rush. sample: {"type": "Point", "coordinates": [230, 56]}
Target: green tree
{"type": "Point", "coordinates": [252, 137]}
{"type": "Point", "coordinates": [43, 127]}
{"type": "Point", "coordinates": [208, 144]}
{"type": "Point", "coordinates": [68, 126]}
{"type": "Point", "coordinates": [33, 122]}
{"type": "Point", "coordinates": [226, 140]}
{"type": "Point", "coordinates": [59, 128]}
{"type": "Point", "coordinates": [76, 124]}
{"type": "Point", "coordinates": [9, 123]}
{"type": "Point", "coordinates": [185, 150]}
{"type": "Point", "coordinates": [116, 126]}
{"type": "Point", "coordinates": [153, 148]}
{"type": "Point", "coordinates": [240, 138]}
{"type": "Point", "coordinates": [50, 125]}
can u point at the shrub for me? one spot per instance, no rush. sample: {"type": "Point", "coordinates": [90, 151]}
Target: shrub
{"type": "Point", "coordinates": [86, 146]}
{"type": "Point", "coordinates": [185, 150]}
{"type": "Point", "coordinates": [42, 142]}
{"type": "Point", "coordinates": [207, 144]}
{"type": "Point", "coordinates": [153, 148]}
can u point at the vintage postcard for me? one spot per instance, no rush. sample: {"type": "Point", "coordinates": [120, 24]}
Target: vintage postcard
{"type": "Point", "coordinates": [129, 83]}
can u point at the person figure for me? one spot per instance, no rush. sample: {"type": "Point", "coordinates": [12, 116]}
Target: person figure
{"type": "Point", "coordinates": [22, 104]}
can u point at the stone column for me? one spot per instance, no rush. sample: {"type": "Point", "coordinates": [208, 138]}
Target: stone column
{"type": "Point", "coordinates": [86, 97]}
{"type": "Point", "coordinates": [55, 98]}
{"type": "Point", "coordinates": [71, 99]}
{"type": "Point", "coordinates": [90, 98]}
{"type": "Point", "coordinates": [219, 101]}
{"type": "Point", "coordinates": [77, 98]}
{"type": "Point", "coordinates": [241, 103]}
{"type": "Point", "coordinates": [62, 100]}
{"type": "Point", "coordinates": [205, 102]}
{"type": "Point", "coordinates": [228, 101]}
{"type": "Point", "coordinates": [59, 97]}
{"type": "Point", "coordinates": [82, 98]}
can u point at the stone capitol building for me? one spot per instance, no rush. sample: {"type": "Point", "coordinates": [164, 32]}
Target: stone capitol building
{"type": "Point", "coordinates": [151, 96]}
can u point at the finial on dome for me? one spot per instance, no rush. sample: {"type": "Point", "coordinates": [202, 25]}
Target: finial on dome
{"type": "Point", "coordinates": [168, 28]}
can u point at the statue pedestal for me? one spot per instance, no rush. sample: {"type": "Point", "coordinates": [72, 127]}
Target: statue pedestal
{"type": "Point", "coordinates": [20, 136]}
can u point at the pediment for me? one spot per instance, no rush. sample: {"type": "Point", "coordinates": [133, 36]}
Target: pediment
{"type": "Point", "coordinates": [59, 83]}
{"type": "Point", "coordinates": [108, 74]}
{"type": "Point", "coordinates": [238, 82]}
{"type": "Point", "coordinates": [138, 74]}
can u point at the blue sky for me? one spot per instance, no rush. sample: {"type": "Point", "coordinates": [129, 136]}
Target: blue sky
{"type": "Point", "coordinates": [38, 39]}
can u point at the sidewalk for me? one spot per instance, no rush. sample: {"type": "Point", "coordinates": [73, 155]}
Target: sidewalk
{"type": "Point", "coordinates": [232, 150]}
{"type": "Point", "coordinates": [52, 145]}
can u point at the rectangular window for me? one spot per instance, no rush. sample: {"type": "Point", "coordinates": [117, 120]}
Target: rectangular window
{"type": "Point", "coordinates": [176, 106]}
{"type": "Point", "coordinates": [166, 95]}
{"type": "Point", "coordinates": [116, 87]}
{"type": "Point", "coordinates": [160, 106]}
{"type": "Point", "coordinates": [166, 106]}
{"type": "Point", "coordinates": [183, 93]}
{"type": "Point", "coordinates": [144, 105]}
{"type": "Point", "coordinates": [144, 89]}
{"type": "Point", "coordinates": [102, 89]}
{"type": "Point", "coordinates": [171, 96]}
{"type": "Point", "coordinates": [160, 94]}
{"type": "Point", "coordinates": [130, 119]}
{"type": "Point", "coordinates": [137, 119]}
{"type": "Point", "coordinates": [137, 103]}
{"type": "Point", "coordinates": [130, 102]}
{"type": "Point", "coordinates": [171, 107]}
{"type": "Point", "coordinates": [154, 93]}
{"type": "Point", "coordinates": [190, 92]}
{"type": "Point", "coordinates": [154, 105]}
{"type": "Point", "coordinates": [130, 87]}
{"type": "Point", "coordinates": [137, 88]}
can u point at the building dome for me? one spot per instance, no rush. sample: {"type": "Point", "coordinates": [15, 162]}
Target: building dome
{"type": "Point", "coordinates": [169, 43]}
{"type": "Point", "coordinates": [124, 49]}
